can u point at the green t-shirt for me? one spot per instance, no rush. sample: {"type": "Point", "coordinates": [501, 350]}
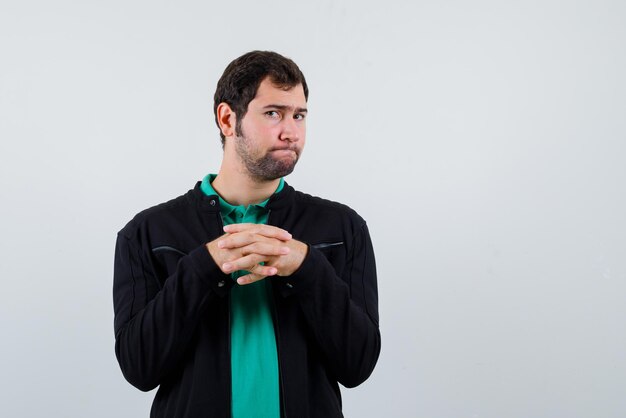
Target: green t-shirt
{"type": "Point", "coordinates": [254, 359]}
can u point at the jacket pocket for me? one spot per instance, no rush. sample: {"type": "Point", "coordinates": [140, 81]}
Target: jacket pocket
{"type": "Point", "coordinates": [165, 259]}
{"type": "Point", "coordinates": [163, 248]}
{"type": "Point", "coordinates": [335, 253]}
{"type": "Point", "coordinates": [326, 245]}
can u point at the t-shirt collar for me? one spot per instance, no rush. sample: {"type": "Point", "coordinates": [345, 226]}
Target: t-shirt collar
{"type": "Point", "coordinates": [226, 208]}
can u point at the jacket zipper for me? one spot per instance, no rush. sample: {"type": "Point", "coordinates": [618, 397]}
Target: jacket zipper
{"type": "Point", "coordinates": [277, 337]}
{"type": "Point", "coordinates": [230, 368]}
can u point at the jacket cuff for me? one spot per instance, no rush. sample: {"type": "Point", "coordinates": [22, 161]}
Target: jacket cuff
{"type": "Point", "coordinates": [205, 267]}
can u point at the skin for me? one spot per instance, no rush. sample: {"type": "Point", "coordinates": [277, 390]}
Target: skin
{"type": "Point", "coordinates": [271, 139]}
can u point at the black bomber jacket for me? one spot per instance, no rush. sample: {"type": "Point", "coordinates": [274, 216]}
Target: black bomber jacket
{"type": "Point", "coordinates": [172, 307]}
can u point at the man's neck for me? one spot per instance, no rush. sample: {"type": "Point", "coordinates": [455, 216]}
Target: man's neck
{"type": "Point", "coordinates": [239, 189]}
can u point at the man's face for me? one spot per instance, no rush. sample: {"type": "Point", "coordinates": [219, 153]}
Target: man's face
{"type": "Point", "coordinates": [272, 133]}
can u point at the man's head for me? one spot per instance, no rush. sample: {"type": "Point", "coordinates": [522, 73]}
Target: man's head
{"type": "Point", "coordinates": [260, 108]}
{"type": "Point", "coordinates": [241, 79]}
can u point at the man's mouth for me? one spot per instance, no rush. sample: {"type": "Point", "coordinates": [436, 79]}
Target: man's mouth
{"type": "Point", "coordinates": [284, 151]}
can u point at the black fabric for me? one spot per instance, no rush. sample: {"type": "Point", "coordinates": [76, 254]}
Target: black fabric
{"type": "Point", "coordinates": [172, 307]}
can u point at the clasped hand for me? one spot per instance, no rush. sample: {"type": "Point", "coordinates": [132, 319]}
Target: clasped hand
{"type": "Point", "coordinates": [245, 246]}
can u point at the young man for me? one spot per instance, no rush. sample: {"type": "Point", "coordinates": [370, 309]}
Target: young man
{"type": "Point", "coordinates": [244, 297]}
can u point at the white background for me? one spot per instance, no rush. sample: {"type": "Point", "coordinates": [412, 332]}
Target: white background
{"type": "Point", "coordinates": [483, 141]}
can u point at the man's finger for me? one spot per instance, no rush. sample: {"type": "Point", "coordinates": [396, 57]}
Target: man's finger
{"type": "Point", "coordinates": [247, 262]}
{"type": "Point", "coordinates": [249, 278]}
{"type": "Point", "coordinates": [241, 239]}
{"type": "Point", "coordinates": [266, 248]}
{"type": "Point", "coordinates": [261, 229]}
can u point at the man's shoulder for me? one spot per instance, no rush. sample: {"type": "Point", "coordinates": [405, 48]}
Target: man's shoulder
{"type": "Point", "coordinates": [325, 207]}
{"type": "Point", "coordinates": [318, 220]}
{"type": "Point", "coordinates": [176, 208]}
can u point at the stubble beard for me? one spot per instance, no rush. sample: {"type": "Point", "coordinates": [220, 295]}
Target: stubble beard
{"type": "Point", "coordinates": [265, 167]}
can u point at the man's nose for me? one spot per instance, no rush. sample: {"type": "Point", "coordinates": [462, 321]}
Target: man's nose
{"type": "Point", "coordinates": [290, 131]}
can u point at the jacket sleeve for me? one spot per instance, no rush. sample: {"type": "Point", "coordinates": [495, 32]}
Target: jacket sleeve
{"type": "Point", "coordinates": [342, 311]}
{"type": "Point", "coordinates": [153, 326]}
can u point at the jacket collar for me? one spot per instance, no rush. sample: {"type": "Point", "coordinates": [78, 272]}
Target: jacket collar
{"type": "Point", "coordinates": [211, 203]}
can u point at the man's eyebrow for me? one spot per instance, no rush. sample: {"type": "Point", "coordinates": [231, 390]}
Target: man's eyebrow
{"type": "Point", "coordinates": [286, 107]}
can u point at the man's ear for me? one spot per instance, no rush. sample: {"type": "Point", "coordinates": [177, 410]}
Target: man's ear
{"type": "Point", "coordinates": [226, 118]}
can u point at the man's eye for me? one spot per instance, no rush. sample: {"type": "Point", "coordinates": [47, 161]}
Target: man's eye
{"type": "Point", "coordinates": [299, 116]}
{"type": "Point", "coordinates": [272, 113]}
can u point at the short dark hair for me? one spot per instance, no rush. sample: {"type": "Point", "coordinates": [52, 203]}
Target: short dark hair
{"type": "Point", "coordinates": [242, 77]}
